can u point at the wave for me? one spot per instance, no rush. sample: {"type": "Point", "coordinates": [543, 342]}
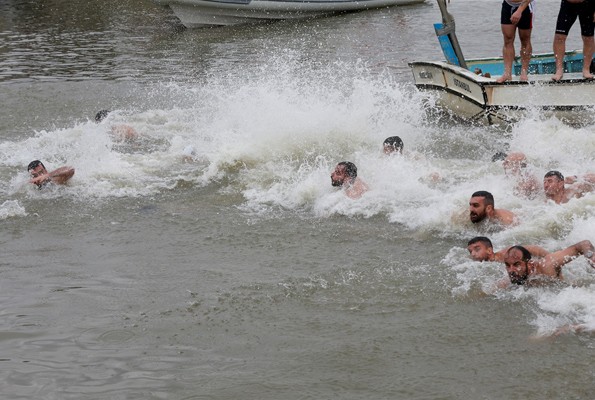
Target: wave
{"type": "Point", "coordinates": [274, 135]}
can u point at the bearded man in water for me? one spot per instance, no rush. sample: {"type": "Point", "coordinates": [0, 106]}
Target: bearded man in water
{"type": "Point", "coordinates": [345, 176]}
{"type": "Point", "coordinates": [522, 270]}
{"type": "Point", "coordinates": [481, 207]}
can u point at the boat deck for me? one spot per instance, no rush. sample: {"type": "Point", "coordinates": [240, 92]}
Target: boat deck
{"type": "Point", "coordinates": [542, 78]}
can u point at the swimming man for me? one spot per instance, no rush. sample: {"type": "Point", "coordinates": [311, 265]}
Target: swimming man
{"type": "Point", "coordinates": [345, 176]}
{"type": "Point", "coordinates": [41, 177]}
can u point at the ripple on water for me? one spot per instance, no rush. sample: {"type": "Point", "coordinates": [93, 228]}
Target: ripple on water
{"type": "Point", "coordinates": [96, 338]}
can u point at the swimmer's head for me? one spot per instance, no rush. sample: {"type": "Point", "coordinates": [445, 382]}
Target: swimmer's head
{"type": "Point", "coordinates": [514, 163]}
{"type": "Point", "coordinates": [553, 184]}
{"type": "Point", "coordinates": [499, 156]}
{"type": "Point", "coordinates": [344, 171]}
{"type": "Point", "coordinates": [557, 174]}
{"type": "Point", "coordinates": [392, 144]}
{"type": "Point", "coordinates": [480, 249]}
{"type": "Point", "coordinates": [517, 264]}
{"type": "Point", "coordinates": [189, 151]}
{"type": "Point", "coordinates": [35, 169]}
{"type": "Point", "coordinates": [480, 205]}
{"type": "Point", "coordinates": [100, 116]}
{"type": "Point", "coordinates": [34, 164]}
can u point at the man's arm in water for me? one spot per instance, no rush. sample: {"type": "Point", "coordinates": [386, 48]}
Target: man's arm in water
{"type": "Point", "coordinates": [59, 176]}
{"type": "Point", "coordinates": [537, 251]}
{"type": "Point", "coordinates": [551, 264]}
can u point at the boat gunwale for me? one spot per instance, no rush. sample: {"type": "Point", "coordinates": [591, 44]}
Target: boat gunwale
{"type": "Point", "coordinates": [484, 81]}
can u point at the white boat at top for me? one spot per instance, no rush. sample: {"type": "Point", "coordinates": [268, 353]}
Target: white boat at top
{"type": "Point", "coordinates": [467, 89]}
{"type": "Point", "coordinates": [201, 13]}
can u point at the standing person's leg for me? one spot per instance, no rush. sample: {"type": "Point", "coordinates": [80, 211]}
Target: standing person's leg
{"type": "Point", "coordinates": [588, 49]}
{"type": "Point", "coordinates": [525, 26]}
{"type": "Point", "coordinates": [526, 52]}
{"type": "Point", "coordinates": [566, 17]}
{"type": "Point", "coordinates": [509, 33]}
{"type": "Point", "coordinates": [559, 50]}
{"type": "Point", "coordinates": [586, 18]}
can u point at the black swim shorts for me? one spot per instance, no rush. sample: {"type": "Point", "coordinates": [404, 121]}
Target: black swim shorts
{"type": "Point", "coordinates": [526, 21]}
{"type": "Point", "coordinates": [570, 11]}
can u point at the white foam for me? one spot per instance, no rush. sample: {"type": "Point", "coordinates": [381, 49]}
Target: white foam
{"type": "Point", "coordinates": [278, 134]}
{"type": "Point", "coordinates": [11, 208]}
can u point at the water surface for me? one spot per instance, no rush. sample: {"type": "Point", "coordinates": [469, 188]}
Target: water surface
{"type": "Point", "coordinates": [237, 271]}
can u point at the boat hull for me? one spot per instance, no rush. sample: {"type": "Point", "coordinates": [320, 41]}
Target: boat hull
{"type": "Point", "coordinates": [203, 13]}
{"type": "Point", "coordinates": [476, 98]}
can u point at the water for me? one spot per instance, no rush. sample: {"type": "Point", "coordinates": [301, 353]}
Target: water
{"type": "Point", "coordinates": [240, 272]}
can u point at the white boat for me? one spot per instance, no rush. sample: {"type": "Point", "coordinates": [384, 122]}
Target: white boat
{"type": "Point", "coordinates": [468, 90]}
{"type": "Point", "coordinates": [202, 13]}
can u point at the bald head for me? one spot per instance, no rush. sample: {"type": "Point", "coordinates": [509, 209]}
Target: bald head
{"type": "Point", "coordinates": [514, 162]}
{"type": "Point", "coordinates": [517, 260]}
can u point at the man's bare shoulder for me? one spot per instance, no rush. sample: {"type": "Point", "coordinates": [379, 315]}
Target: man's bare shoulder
{"type": "Point", "coordinates": [506, 217]}
{"type": "Point", "coordinates": [124, 132]}
{"type": "Point", "coordinates": [357, 189]}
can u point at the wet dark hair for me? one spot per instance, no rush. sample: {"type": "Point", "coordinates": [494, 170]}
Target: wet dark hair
{"type": "Point", "coordinates": [526, 253]}
{"type": "Point", "coordinates": [489, 198]}
{"type": "Point", "coordinates": [499, 156]}
{"type": "Point", "coordinates": [557, 174]}
{"type": "Point", "coordinates": [101, 115]}
{"type": "Point", "coordinates": [481, 239]}
{"type": "Point", "coordinates": [34, 164]}
{"type": "Point", "coordinates": [395, 142]}
{"type": "Point", "coordinates": [350, 168]}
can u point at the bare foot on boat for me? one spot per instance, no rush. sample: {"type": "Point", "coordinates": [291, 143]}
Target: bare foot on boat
{"type": "Point", "coordinates": [557, 76]}
{"type": "Point", "coordinates": [504, 78]}
{"type": "Point", "coordinates": [523, 78]}
{"type": "Point", "coordinates": [588, 75]}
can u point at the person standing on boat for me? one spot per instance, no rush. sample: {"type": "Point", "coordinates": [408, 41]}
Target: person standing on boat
{"type": "Point", "coordinates": [516, 14]}
{"type": "Point", "coordinates": [569, 11]}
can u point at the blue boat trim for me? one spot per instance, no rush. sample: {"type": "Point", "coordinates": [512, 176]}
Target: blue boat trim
{"type": "Point", "coordinates": [541, 64]}
{"type": "Point", "coordinates": [448, 50]}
